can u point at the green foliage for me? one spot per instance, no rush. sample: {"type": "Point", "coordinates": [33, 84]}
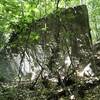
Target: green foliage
{"type": "Point", "coordinates": [34, 37]}
{"type": "Point", "coordinates": [94, 12]}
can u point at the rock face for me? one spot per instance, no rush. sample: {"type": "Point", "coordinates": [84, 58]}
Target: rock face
{"type": "Point", "coordinates": [73, 22]}
{"type": "Point", "coordinates": [65, 28]}
{"type": "Point", "coordinates": [13, 66]}
{"type": "Point", "coordinates": [7, 70]}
